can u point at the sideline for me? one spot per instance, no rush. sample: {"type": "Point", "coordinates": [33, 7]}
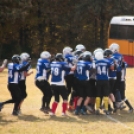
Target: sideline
{"type": "Point", "coordinates": [117, 121]}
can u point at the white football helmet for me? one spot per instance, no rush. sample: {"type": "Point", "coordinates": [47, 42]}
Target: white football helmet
{"type": "Point", "coordinates": [80, 47]}
{"type": "Point", "coordinates": [99, 55]}
{"type": "Point", "coordinates": [114, 47]}
{"type": "Point", "coordinates": [67, 50]}
{"type": "Point", "coordinates": [87, 53]}
{"type": "Point", "coordinates": [45, 55]}
{"type": "Point", "coordinates": [98, 50]}
{"type": "Point", "coordinates": [24, 56]}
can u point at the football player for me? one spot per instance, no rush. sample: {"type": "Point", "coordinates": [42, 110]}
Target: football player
{"type": "Point", "coordinates": [102, 83]}
{"type": "Point", "coordinates": [41, 80]}
{"type": "Point", "coordinates": [112, 77]}
{"type": "Point", "coordinates": [122, 87]}
{"type": "Point", "coordinates": [25, 57]}
{"type": "Point", "coordinates": [114, 47]}
{"type": "Point", "coordinates": [82, 76]}
{"type": "Point", "coordinates": [14, 70]}
{"type": "Point", "coordinates": [69, 76]}
{"type": "Point", "coordinates": [58, 68]}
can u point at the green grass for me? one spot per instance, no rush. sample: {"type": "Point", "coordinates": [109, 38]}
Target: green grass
{"type": "Point", "coordinates": [32, 121]}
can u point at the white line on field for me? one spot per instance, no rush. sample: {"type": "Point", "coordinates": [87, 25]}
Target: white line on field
{"type": "Point", "coordinates": [117, 121]}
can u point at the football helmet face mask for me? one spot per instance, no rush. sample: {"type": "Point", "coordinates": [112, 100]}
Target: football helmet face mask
{"type": "Point", "coordinates": [25, 57]}
{"type": "Point", "coordinates": [80, 47]}
{"type": "Point", "coordinates": [67, 50]}
{"type": "Point", "coordinates": [45, 55]}
{"type": "Point", "coordinates": [87, 56]}
{"type": "Point", "coordinates": [59, 57]}
{"type": "Point", "coordinates": [114, 47]}
{"type": "Point", "coordinates": [16, 58]}
{"type": "Point", "coordinates": [107, 53]}
{"type": "Point", "coordinates": [77, 53]}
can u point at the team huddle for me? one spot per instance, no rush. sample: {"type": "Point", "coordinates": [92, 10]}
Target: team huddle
{"type": "Point", "coordinates": [87, 83]}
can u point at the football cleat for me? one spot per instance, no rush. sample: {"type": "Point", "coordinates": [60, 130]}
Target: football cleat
{"type": "Point", "coordinates": [64, 114]}
{"type": "Point", "coordinates": [131, 110]}
{"type": "Point", "coordinates": [52, 114]}
{"type": "Point", "coordinates": [83, 112]}
{"type": "Point", "coordinates": [76, 112]}
{"type": "Point", "coordinates": [46, 110]}
{"type": "Point", "coordinates": [122, 107]}
{"type": "Point", "coordinates": [42, 109]}
{"type": "Point", "coordinates": [106, 112]}
{"type": "Point", "coordinates": [90, 109]}
{"type": "Point", "coordinates": [97, 112]}
{"type": "Point", "coordinates": [15, 113]}
{"type": "Point", "coordinates": [119, 105]}
{"type": "Point", "coordinates": [19, 111]}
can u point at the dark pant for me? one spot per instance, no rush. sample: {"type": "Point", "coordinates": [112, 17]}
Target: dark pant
{"type": "Point", "coordinates": [45, 88]}
{"type": "Point", "coordinates": [69, 82]}
{"type": "Point", "coordinates": [59, 90]}
{"type": "Point", "coordinates": [16, 95]}
{"type": "Point", "coordinates": [22, 86]}
{"type": "Point", "coordinates": [102, 87]}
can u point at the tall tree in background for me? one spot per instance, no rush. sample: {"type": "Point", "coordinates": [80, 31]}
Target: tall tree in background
{"type": "Point", "coordinates": [37, 25]}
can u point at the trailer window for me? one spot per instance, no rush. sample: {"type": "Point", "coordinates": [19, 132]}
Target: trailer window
{"type": "Point", "coordinates": [118, 32]}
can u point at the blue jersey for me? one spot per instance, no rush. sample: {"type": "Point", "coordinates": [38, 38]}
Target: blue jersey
{"type": "Point", "coordinates": [102, 67]}
{"type": "Point", "coordinates": [58, 72]}
{"type": "Point", "coordinates": [69, 59]}
{"type": "Point", "coordinates": [118, 60]}
{"type": "Point", "coordinates": [82, 70]}
{"type": "Point", "coordinates": [13, 72]}
{"type": "Point", "coordinates": [22, 73]}
{"type": "Point", "coordinates": [123, 72]}
{"type": "Point", "coordinates": [43, 65]}
{"type": "Point", "coordinates": [112, 73]}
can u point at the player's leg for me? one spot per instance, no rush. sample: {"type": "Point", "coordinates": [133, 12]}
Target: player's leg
{"type": "Point", "coordinates": [98, 96]}
{"type": "Point", "coordinates": [56, 99]}
{"type": "Point", "coordinates": [64, 95]}
{"type": "Point", "coordinates": [123, 96]}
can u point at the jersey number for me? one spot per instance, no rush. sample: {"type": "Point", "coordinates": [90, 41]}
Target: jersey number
{"type": "Point", "coordinates": [101, 71]}
{"type": "Point", "coordinates": [56, 71]}
{"type": "Point", "coordinates": [79, 70]}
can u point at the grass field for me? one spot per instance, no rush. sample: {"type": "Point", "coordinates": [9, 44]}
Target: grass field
{"type": "Point", "coordinates": [33, 121]}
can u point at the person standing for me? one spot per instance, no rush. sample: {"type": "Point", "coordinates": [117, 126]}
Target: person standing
{"type": "Point", "coordinates": [102, 82]}
{"type": "Point", "coordinates": [14, 69]}
{"type": "Point", "coordinates": [41, 80]}
{"type": "Point", "coordinates": [58, 68]}
{"type": "Point", "coordinates": [25, 57]}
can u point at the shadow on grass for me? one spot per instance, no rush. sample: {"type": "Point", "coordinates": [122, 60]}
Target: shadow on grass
{"type": "Point", "coordinates": [68, 119]}
{"type": "Point", "coordinates": [30, 118]}
{"type": "Point", "coordinates": [4, 122]}
{"type": "Point", "coordinates": [122, 116]}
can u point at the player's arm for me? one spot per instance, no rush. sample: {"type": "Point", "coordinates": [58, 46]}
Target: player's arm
{"type": "Point", "coordinates": [73, 68]}
{"type": "Point", "coordinates": [68, 68]}
{"type": "Point", "coordinates": [28, 73]}
{"type": "Point", "coordinates": [112, 66]}
{"type": "Point", "coordinates": [2, 67]}
{"type": "Point", "coordinates": [22, 67]}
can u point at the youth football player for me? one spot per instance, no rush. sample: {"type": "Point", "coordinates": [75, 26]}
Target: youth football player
{"type": "Point", "coordinates": [58, 68]}
{"type": "Point", "coordinates": [41, 80]}
{"type": "Point", "coordinates": [102, 83]}
{"type": "Point", "coordinates": [13, 83]}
